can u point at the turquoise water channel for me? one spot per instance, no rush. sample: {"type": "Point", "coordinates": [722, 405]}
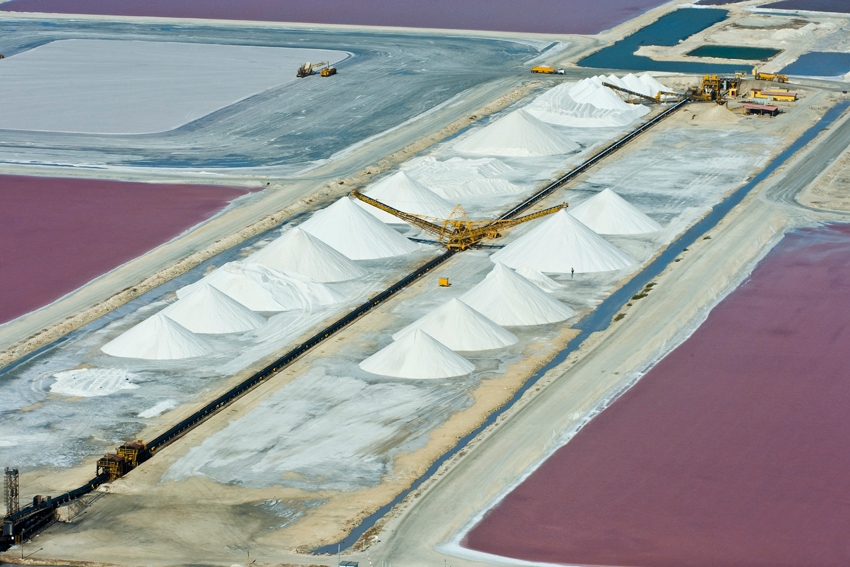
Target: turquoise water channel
{"type": "Point", "coordinates": [734, 52]}
{"type": "Point", "coordinates": [822, 64]}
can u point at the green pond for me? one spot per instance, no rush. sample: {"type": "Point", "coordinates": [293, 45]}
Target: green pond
{"type": "Point", "coordinates": [734, 52]}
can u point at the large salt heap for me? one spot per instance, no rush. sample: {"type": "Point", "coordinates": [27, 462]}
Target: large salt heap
{"type": "Point", "coordinates": [517, 134]}
{"type": "Point", "coordinates": [209, 311]}
{"type": "Point", "coordinates": [302, 253]}
{"type": "Point", "coordinates": [460, 327]}
{"type": "Point", "coordinates": [586, 104]}
{"type": "Point", "coordinates": [561, 243]}
{"type": "Point", "coordinates": [357, 234]}
{"type": "Point", "coordinates": [457, 178]}
{"type": "Point", "coordinates": [407, 195]}
{"type": "Point", "coordinates": [158, 338]}
{"type": "Point", "coordinates": [509, 299]}
{"type": "Point", "coordinates": [263, 289]}
{"type": "Point", "coordinates": [608, 213]}
{"type": "Point", "coordinates": [417, 355]}
{"type": "Point", "coordinates": [540, 279]}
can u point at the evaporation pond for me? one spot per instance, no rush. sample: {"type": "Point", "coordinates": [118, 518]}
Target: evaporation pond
{"type": "Point", "coordinates": [732, 450]}
{"type": "Point", "coordinates": [734, 52]}
{"type": "Point", "coordinates": [821, 64]}
{"type": "Point", "coordinates": [136, 87]}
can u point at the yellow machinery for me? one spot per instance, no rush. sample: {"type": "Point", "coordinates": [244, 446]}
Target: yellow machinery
{"type": "Point", "coordinates": [444, 282]}
{"type": "Point", "coordinates": [308, 69]}
{"type": "Point", "coordinates": [328, 71]}
{"type": "Point", "coordinates": [457, 232]}
{"type": "Point", "coordinates": [127, 457]}
{"type": "Point", "coordinates": [635, 97]}
{"type": "Point", "coordinates": [545, 69]}
{"type": "Point", "coordinates": [775, 77]}
{"type": "Point", "coordinates": [715, 88]}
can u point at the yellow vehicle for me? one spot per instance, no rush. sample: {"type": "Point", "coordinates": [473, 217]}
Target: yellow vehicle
{"type": "Point", "coordinates": [547, 70]}
{"type": "Point", "coordinates": [328, 71]}
{"type": "Point", "coordinates": [775, 77]}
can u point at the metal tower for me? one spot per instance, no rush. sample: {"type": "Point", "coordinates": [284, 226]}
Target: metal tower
{"type": "Point", "coordinates": [10, 491]}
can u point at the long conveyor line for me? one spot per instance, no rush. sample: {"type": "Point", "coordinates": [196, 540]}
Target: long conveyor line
{"type": "Point", "coordinates": [41, 513]}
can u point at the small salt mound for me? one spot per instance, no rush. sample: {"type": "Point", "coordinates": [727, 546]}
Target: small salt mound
{"type": "Point", "coordinates": [407, 195]}
{"type": "Point", "coordinates": [208, 310]}
{"type": "Point", "coordinates": [561, 243]}
{"type": "Point", "coordinates": [417, 355]}
{"type": "Point", "coordinates": [517, 134]}
{"type": "Point", "coordinates": [653, 85]}
{"type": "Point", "coordinates": [509, 299]}
{"type": "Point", "coordinates": [263, 289]}
{"type": "Point", "coordinates": [608, 213]}
{"type": "Point", "coordinates": [540, 279]}
{"type": "Point", "coordinates": [586, 104]}
{"type": "Point", "coordinates": [158, 338]}
{"type": "Point", "coordinates": [299, 252]}
{"type": "Point", "coordinates": [357, 234]}
{"type": "Point", "coordinates": [460, 327]}
{"type": "Point", "coordinates": [159, 408]}
{"type": "Point", "coordinates": [458, 178]}
{"type": "Point", "coordinates": [92, 382]}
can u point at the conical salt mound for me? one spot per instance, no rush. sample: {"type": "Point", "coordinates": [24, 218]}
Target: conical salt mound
{"type": "Point", "coordinates": [608, 213]}
{"type": "Point", "coordinates": [540, 279]}
{"type": "Point", "coordinates": [357, 234]}
{"type": "Point", "coordinates": [302, 253]}
{"type": "Point", "coordinates": [509, 299]}
{"type": "Point", "coordinates": [517, 134]}
{"type": "Point", "coordinates": [653, 84]}
{"type": "Point", "coordinates": [417, 355]}
{"type": "Point", "coordinates": [460, 327]}
{"type": "Point", "coordinates": [561, 243]}
{"type": "Point", "coordinates": [586, 104]}
{"type": "Point", "coordinates": [158, 338]}
{"type": "Point", "coordinates": [263, 289]}
{"type": "Point", "coordinates": [208, 310]}
{"type": "Point", "coordinates": [407, 195]}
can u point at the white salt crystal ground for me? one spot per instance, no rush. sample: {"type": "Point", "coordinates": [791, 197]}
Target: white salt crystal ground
{"type": "Point", "coordinates": [460, 327]}
{"type": "Point", "coordinates": [135, 87]}
{"type": "Point", "coordinates": [302, 253]}
{"type": "Point", "coordinates": [608, 213]}
{"type": "Point", "coordinates": [91, 382]}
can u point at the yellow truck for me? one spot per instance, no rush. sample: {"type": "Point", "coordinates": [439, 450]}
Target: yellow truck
{"type": "Point", "coordinates": [547, 70]}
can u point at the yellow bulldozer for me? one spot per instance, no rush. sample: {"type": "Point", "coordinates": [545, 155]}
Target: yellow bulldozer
{"type": "Point", "coordinates": [323, 68]}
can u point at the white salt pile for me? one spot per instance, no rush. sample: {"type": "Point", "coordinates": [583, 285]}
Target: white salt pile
{"type": "Point", "coordinates": [608, 213]}
{"type": "Point", "coordinates": [158, 338]}
{"type": "Point", "coordinates": [540, 279]}
{"type": "Point", "coordinates": [645, 84]}
{"type": "Point", "coordinates": [586, 104]}
{"type": "Point", "coordinates": [302, 253]}
{"type": "Point", "coordinates": [357, 234]}
{"type": "Point", "coordinates": [208, 310]}
{"type": "Point", "coordinates": [417, 355]}
{"type": "Point", "coordinates": [460, 327]}
{"type": "Point", "coordinates": [92, 382]}
{"type": "Point", "coordinates": [402, 192]}
{"type": "Point", "coordinates": [509, 299]}
{"type": "Point", "coordinates": [517, 134]}
{"type": "Point", "coordinates": [561, 243]}
{"type": "Point", "coordinates": [159, 408]}
{"type": "Point", "coordinates": [457, 178]}
{"type": "Point", "coordinates": [263, 289]}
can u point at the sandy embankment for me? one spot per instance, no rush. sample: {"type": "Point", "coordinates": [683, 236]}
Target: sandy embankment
{"type": "Point", "coordinates": [831, 190]}
{"type": "Point", "coordinates": [77, 313]}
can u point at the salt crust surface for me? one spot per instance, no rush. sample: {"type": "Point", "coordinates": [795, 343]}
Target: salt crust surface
{"type": "Point", "coordinates": [417, 355]}
{"type": "Point", "coordinates": [263, 289]}
{"type": "Point", "coordinates": [208, 310]}
{"type": "Point", "coordinates": [540, 279]}
{"type": "Point", "coordinates": [92, 382]}
{"type": "Point", "coordinates": [517, 134]}
{"type": "Point", "coordinates": [402, 192]}
{"type": "Point", "coordinates": [608, 213]}
{"type": "Point", "coordinates": [561, 243]}
{"type": "Point", "coordinates": [159, 408]}
{"type": "Point", "coordinates": [158, 338]}
{"type": "Point", "coordinates": [135, 87]}
{"type": "Point", "coordinates": [458, 178]}
{"type": "Point", "coordinates": [460, 327]}
{"type": "Point", "coordinates": [300, 252]}
{"type": "Point", "coordinates": [349, 229]}
{"type": "Point", "coordinates": [509, 299]}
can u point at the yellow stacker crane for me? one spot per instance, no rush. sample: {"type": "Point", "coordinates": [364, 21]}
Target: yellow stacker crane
{"type": "Point", "coordinates": [457, 232]}
{"type": "Point", "coordinates": [323, 68]}
{"type": "Point", "coordinates": [716, 88]}
{"type": "Point", "coordinates": [635, 97]}
{"type": "Point", "coordinates": [775, 77]}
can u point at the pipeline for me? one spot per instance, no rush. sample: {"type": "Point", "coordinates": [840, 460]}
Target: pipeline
{"type": "Point", "coordinates": [37, 516]}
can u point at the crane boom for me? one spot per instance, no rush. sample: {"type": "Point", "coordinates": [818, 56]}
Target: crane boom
{"type": "Point", "coordinates": [656, 99]}
{"type": "Point", "coordinates": [457, 232]}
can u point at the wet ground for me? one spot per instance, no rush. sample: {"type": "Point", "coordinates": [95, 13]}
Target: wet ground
{"type": "Point", "coordinates": [535, 16]}
{"type": "Point", "coordinates": [58, 234]}
{"type": "Point", "coordinates": [731, 451]}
